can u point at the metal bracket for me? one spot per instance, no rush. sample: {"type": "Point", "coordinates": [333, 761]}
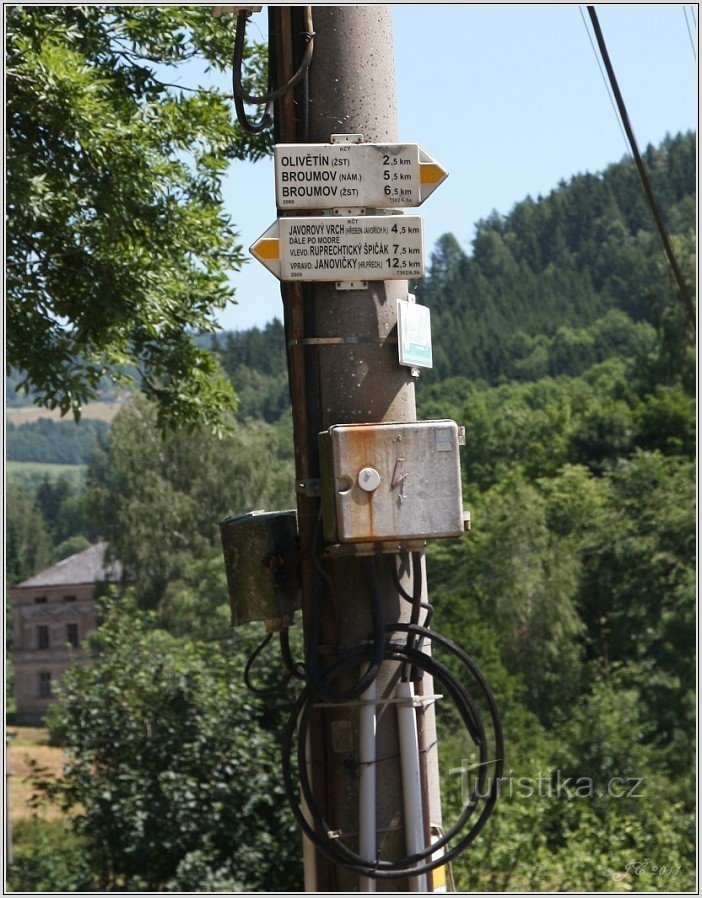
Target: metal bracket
{"type": "Point", "coordinates": [416, 701]}
{"type": "Point", "coordinates": [341, 550]}
{"type": "Point", "coordinates": [340, 341]}
{"type": "Point", "coordinates": [351, 285]}
{"type": "Point", "coordinates": [354, 211]}
{"type": "Point", "coordinates": [347, 138]}
{"type": "Point", "coordinates": [312, 487]}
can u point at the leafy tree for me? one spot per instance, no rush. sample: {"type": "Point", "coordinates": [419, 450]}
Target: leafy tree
{"type": "Point", "coordinates": [118, 245]}
{"type": "Point", "coordinates": [173, 778]}
{"type": "Point", "coordinates": [157, 497]}
{"type": "Point", "coordinates": [71, 546]}
{"type": "Point", "coordinates": [27, 544]}
{"type": "Point", "coordinates": [529, 580]}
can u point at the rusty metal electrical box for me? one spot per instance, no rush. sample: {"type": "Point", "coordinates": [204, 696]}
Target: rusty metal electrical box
{"type": "Point", "coordinates": [387, 482]}
{"type": "Point", "coordinates": [261, 560]}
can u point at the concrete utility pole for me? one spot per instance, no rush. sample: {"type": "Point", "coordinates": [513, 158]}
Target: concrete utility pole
{"type": "Point", "coordinates": [351, 91]}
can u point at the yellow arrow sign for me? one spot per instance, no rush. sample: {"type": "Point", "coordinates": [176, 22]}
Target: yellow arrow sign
{"type": "Point", "coordinates": [343, 248]}
{"type": "Point", "coordinates": [267, 248]}
{"type": "Point", "coordinates": [376, 175]}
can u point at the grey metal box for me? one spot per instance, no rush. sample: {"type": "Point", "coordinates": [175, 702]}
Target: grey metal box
{"type": "Point", "coordinates": [412, 479]}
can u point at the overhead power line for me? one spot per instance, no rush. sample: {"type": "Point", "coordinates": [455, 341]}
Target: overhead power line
{"type": "Point", "coordinates": [604, 80]}
{"type": "Point", "coordinates": [643, 174]}
{"type": "Point", "coordinates": [689, 34]}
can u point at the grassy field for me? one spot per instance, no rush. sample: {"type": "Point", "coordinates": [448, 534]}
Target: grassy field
{"type": "Point", "coordinates": [100, 411]}
{"type": "Point", "coordinates": [28, 748]}
{"type": "Point", "coordinates": [28, 474]}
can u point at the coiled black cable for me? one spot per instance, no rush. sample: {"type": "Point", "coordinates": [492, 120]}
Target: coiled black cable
{"type": "Point", "coordinates": [319, 828]}
{"type": "Point", "coordinates": [239, 43]}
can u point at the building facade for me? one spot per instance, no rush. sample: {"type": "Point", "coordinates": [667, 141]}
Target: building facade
{"type": "Point", "coordinates": [52, 613]}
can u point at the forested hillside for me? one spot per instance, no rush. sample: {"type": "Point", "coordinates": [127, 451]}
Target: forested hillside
{"type": "Point", "coordinates": [563, 260]}
{"type": "Point", "coordinates": [561, 346]}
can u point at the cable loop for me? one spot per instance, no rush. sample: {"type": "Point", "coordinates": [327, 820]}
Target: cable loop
{"type": "Point", "coordinates": [239, 42]}
{"type": "Point", "coordinates": [317, 827]}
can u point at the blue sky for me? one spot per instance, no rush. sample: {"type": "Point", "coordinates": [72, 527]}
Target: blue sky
{"type": "Point", "coordinates": [510, 100]}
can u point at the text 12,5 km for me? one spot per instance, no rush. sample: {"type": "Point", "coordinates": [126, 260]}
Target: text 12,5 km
{"type": "Point", "coordinates": [326, 248]}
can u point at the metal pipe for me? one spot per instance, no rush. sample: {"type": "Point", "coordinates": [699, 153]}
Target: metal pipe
{"type": "Point", "coordinates": [366, 799]}
{"type": "Point", "coordinates": [411, 779]}
{"type": "Point", "coordinates": [308, 849]}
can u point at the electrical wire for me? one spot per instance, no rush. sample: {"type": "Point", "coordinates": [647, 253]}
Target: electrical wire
{"type": "Point", "coordinates": [605, 82]}
{"type": "Point", "coordinates": [322, 833]}
{"type": "Point", "coordinates": [239, 43]}
{"type": "Point", "coordinates": [689, 34]}
{"type": "Point", "coordinates": [316, 677]}
{"type": "Point", "coordinates": [643, 174]}
{"type": "Point", "coordinates": [427, 606]}
{"type": "Point", "coordinates": [294, 668]}
{"type": "Point", "coordinates": [252, 127]}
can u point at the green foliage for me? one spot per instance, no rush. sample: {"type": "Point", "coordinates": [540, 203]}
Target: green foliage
{"type": "Point", "coordinates": [28, 474]}
{"type": "Point", "coordinates": [47, 858]}
{"type": "Point", "coordinates": [27, 543]}
{"type": "Point", "coordinates": [523, 304]}
{"type": "Point", "coordinates": [173, 775]}
{"type": "Point", "coordinates": [158, 497]}
{"type": "Point", "coordinates": [573, 370]}
{"type": "Point", "coordinates": [255, 360]}
{"type": "Point", "coordinates": [71, 546]}
{"type": "Point", "coordinates": [118, 245]}
{"type": "Point", "coordinates": [57, 442]}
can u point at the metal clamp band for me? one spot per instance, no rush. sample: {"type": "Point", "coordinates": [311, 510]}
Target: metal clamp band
{"type": "Point", "coordinates": [336, 341]}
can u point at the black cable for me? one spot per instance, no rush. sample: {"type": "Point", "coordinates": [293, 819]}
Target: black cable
{"type": "Point", "coordinates": [318, 829]}
{"type": "Point", "coordinates": [272, 95]}
{"type": "Point", "coordinates": [316, 677]}
{"type": "Point", "coordinates": [643, 174]}
{"type": "Point", "coordinates": [411, 673]}
{"type": "Point", "coordinates": [295, 668]}
{"type": "Point", "coordinates": [249, 664]}
{"type": "Point", "coordinates": [426, 606]}
{"type": "Point", "coordinates": [241, 115]}
{"type": "Point", "coordinates": [245, 121]}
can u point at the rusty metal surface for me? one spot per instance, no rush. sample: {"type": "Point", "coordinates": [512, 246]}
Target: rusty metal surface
{"type": "Point", "coordinates": [419, 490]}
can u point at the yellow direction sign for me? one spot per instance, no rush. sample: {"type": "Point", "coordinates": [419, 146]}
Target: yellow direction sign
{"type": "Point", "coordinates": [330, 175]}
{"type": "Point", "coordinates": [339, 248]}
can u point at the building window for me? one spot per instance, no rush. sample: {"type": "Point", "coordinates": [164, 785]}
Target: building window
{"type": "Point", "coordinates": [72, 634]}
{"type": "Point", "coordinates": [44, 684]}
{"type": "Point", "coordinates": [69, 598]}
{"type": "Point", "coordinates": [42, 637]}
{"type": "Point", "coordinates": [40, 600]}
